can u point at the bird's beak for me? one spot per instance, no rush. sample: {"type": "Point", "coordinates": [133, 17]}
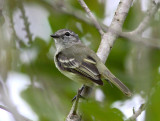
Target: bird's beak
{"type": "Point", "coordinates": [54, 36]}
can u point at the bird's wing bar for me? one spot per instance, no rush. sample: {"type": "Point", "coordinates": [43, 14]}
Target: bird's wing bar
{"type": "Point", "coordinates": [87, 68]}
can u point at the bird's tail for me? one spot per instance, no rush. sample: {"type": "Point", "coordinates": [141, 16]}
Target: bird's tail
{"type": "Point", "coordinates": [108, 75]}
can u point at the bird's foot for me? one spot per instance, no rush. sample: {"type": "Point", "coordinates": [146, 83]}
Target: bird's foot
{"type": "Point", "coordinates": [79, 94]}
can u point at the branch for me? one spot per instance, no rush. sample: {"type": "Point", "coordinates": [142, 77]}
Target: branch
{"type": "Point", "coordinates": [8, 110]}
{"type": "Point", "coordinates": [117, 22]}
{"type": "Point", "coordinates": [26, 23]}
{"type": "Point", "coordinates": [73, 114]}
{"type": "Point", "coordinates": [4, 108]}
{"type": "Point", "coordinates": [10, 106]}
{"type": "Point", "coordinates": [137, 113]}
{"type": "Point", "coordinates": [135, 34]}
{"type": "Point", "coordinates": [150, 42]}
{"type": "Point", "coordinates": [64, 7]}
{"type": "Point", "coordinates": [92, 17]}
{"type": "Point", "coordinates": [67, 9]}
{"type": "Point", "coordinates": [147, 19]}
{"type": "Point", "coordinates": [147, 102]}
{"type": "Point", "coordinates": [14, 37]}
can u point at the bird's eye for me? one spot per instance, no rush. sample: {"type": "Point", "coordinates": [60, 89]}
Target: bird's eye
{"type": "Point", "coordinates": [67, 34]}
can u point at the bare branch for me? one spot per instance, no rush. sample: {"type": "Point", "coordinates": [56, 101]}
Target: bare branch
{"type": "Point", "coordinates": [117, 22]}
{"type": "Point", "coordinates": [92, 17]}
{"type": "Point", "coordinates": [135, 35]}
{"type": "Point", "coordinates": [14, 37]}
{"type": "Point", "coordinates": [144, 105]}
{"type": "Point", "coordinates": [73, 114]}
{"type": "Point", "coordinates": [10, 106]}
{"type": "Point", "coordinates": [8, 110]}
{"type": "Point", "coordinates": [137, 113]}
{"type": "Point", "coordinates": [4, 108]}
{"type": "Point", "coordinates": [26, 22]}
{"type": "Point", "coordinates": [147, 19]}
{"type": "Point", "coordinates": [68, 9]}
{"type": "Point", "coordinates": [150, 42]}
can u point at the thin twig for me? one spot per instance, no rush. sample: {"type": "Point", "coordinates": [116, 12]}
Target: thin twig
{"type": "Point", "coordinates": [4, 108]}
{"type": "Point", "coordinates": [92, 17]}
{"type": "Point", "coordinates": [26, 23]}
{"type": "Point", "coordinates": [137, 113]}
{"type": "Point", "coordinates": [143, 106]}
{"type": "Point", "coordinates": [14, 37]}
{"type": "Point", "coordinates": [68, 9]}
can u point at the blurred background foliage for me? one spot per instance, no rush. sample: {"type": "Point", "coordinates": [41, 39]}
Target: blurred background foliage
{"type": "Point", "coordinates": [49, 94]}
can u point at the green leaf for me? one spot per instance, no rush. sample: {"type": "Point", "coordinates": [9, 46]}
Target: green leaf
{"type": "Point", "coordinates": [96, 111]}
{"type": "Point", "coordinates": [152, 112]}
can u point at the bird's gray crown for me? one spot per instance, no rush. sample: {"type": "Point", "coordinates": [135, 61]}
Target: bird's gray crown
{"type": "Point", "coordinates": [64, 32]}
{"type": "Point", "coordinates": [65, 38]}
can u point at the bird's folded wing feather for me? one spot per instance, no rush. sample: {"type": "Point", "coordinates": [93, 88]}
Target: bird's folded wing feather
{"type": "Point", "coordinates": [86, 68]}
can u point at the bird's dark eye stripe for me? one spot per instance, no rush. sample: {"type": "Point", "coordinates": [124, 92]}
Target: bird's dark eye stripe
{"type": "Point", "coordinates": [67, 34]}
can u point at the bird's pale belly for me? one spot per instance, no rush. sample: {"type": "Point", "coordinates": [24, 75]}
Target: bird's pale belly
{"type": "Point", "coordinates": [77, 78]}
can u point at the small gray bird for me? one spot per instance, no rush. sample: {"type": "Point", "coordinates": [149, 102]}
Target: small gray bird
{"type": "Point", "coordinates": [81, 64]}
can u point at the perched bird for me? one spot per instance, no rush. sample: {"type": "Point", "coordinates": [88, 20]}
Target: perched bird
{"type": "Point", "coordinates": [80, 63]}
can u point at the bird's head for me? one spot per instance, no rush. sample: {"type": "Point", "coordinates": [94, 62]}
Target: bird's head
{"type": "Point", "coordinates": [65, 38]}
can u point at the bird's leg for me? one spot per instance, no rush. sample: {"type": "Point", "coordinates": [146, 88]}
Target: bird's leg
{"type": "Point", "coordinates": [79, 93]}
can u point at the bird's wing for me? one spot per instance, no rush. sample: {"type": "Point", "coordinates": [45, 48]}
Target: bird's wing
{"type": "Point", "coordinates": [86, 67]}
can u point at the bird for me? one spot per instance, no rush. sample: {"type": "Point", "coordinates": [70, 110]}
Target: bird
{"type": "Point", "coordinates": [81, 64]}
